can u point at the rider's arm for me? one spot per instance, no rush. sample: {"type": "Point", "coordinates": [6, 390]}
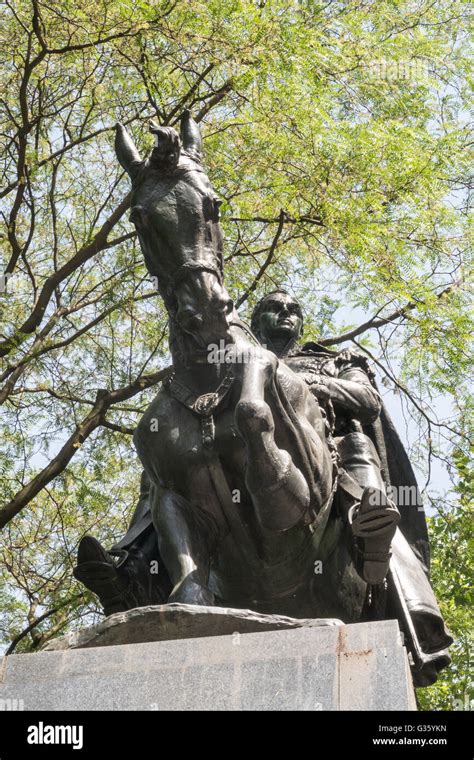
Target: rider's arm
{"type": "Point", "coordinates": [353, 390]}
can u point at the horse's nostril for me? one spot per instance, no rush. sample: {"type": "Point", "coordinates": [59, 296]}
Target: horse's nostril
{"type": "Point", "coordinates": [192, 322]}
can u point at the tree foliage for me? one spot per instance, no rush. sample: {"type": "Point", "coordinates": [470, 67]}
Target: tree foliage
{"type": "Point", "coordinates": [452, 541]}
{"type": "Point", "coordinates": [336, 135]}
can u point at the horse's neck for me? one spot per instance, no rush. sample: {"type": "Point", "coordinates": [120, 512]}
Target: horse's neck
{"type": "Point", "coordinates": [241, 332]}
{"type": "Point", "coordinates": [200, 377]}
{"type": "Point", "coordinates": [195, 370]}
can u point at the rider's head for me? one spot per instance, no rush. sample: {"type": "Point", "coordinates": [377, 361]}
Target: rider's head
{"type": "Point", "coordinates": [277, 320]}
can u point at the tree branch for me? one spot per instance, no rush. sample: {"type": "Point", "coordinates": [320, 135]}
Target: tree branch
{"type": "Point", "coordinates": [375, 322]}
{"type": "Point", "coordinates": [94, 419]}
{"type": "Point", "coordinates": [266, 263]}
{"type": "Point", "coordinates": [98, 243]}
{"type": "Point", "coordinates": [117, 428]}
{"type": "Point", "coordinates": [407, 393]}
{"type": "Point", "coordinates": [39, 620]}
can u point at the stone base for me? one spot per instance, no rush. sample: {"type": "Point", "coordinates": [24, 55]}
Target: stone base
{"type": "Point", "coordinates": [310, 667]}
{"type": "Point", "coordinates": [167, 622]}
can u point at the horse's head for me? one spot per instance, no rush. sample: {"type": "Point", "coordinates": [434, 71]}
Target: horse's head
{"type": "Point", "coordinates": [176, 213]}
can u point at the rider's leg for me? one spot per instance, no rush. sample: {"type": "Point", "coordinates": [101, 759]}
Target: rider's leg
{"type": "Point", "coordinates": [374, 518]}
{"type": "Point", "coordinates": [186, 538]}
{"type": "Point", "coordinates": [144, 568]}
{"type": "Point", "coordinates": [131, 574]}
{"type": "Point", "coordinates": [122, 578]}
{"type": "Point", "coordinates": [279, 491]}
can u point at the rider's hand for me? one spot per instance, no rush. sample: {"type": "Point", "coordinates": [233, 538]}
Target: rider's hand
{"type": "Point", "coordinates": [317, 385]}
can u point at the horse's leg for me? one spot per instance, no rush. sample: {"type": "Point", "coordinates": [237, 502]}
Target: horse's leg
{"type": "Point", "coordinates": [279, 491]}
{"type": "Point", "coordinates": [185, 542]}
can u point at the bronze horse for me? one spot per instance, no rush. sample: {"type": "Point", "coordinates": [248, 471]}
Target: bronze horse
{"type": "Point", "coordinates": [238, 453]}
{"type": "Point", "coordinates": [242, 501]}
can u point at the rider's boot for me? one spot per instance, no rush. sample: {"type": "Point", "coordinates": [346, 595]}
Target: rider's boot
{"type": "Point", "coordinates": [373, 523]}
{"type": "Point", "coordinates": [373, 519]}
{"type": "Point", "coordinates": [122, 580]}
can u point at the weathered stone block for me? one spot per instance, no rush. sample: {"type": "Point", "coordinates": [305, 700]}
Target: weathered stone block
{"type": "Point", "coordinates": [336, 667]}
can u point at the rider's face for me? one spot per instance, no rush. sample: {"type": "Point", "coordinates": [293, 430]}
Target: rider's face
{"type": "Point", "coordinates": [281, 317]}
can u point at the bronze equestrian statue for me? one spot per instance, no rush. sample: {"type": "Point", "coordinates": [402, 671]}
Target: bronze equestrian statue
{"type": "Point", "coordinates": [254, 468]}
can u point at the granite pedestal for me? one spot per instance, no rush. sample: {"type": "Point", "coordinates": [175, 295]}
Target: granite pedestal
{"type": "Point", "coordinates": [297, 666]}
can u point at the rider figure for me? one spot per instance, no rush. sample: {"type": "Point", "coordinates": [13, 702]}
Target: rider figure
{"type": "Point", "coordinates": [342, 384]}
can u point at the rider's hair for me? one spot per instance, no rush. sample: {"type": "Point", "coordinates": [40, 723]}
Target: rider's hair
{"type": "Point", "coordinates": [259, 307]}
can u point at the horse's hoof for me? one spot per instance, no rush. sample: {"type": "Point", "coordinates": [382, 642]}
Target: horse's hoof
{"type": "Point", "coordinates": [373, 523]}
{"type": "Point", "coordinates": [189, 592]}
{"type": "Point", "coordinates": [253, 416]}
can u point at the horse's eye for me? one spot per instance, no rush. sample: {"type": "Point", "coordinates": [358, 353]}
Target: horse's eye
{"type": "Point", "coordinates": [217, 206]}
{"type": "Point", "coordinates": [210, 208]}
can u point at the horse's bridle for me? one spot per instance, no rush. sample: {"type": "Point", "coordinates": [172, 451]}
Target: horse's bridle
{"type": "Point", "coordinates": [191, 266]}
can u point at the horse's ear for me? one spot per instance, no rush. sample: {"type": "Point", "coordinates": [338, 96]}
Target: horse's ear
{"type": "Point", "coordinates": [125, 149]}
{"type": "Point", "coordinates": [191, 136]}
